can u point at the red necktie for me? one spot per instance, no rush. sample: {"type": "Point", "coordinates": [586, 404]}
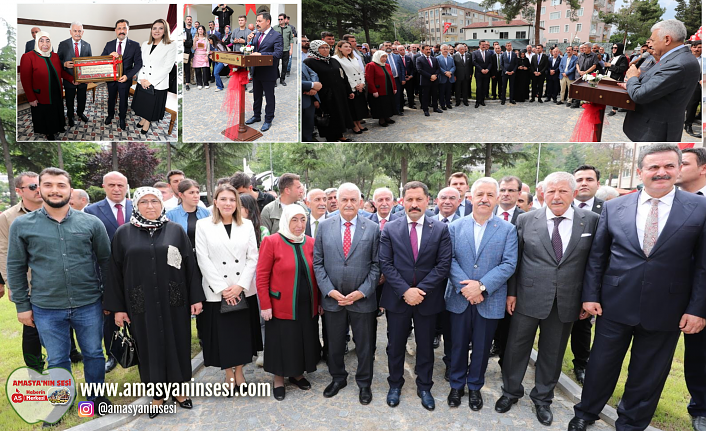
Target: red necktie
{"type": "Point", "coordinates": [120, 47]}
{"type": "Point", "coordinates": [404, 62]}
{"type": "Point", "coordinates": [429, 60]}
{"type": "Point", "coordinates": [260, 39]}
{"type": "Point", "coordinates": [121, 217]}
{"type": "Point", "coordinates": [506, 214]}
{"type": "Point", "coordinates": [347, 239]}
{"type": "Point", "coordinates": [413, 240]}
{"type": "Point", "coordinates": [76, 48]}
{"type": "Point", "coordinates": [382, 223]}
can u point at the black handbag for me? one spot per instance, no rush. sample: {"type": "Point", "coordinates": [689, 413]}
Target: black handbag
{"type": "Point", "coordinates": [126, 346]}
{"type": "Point", "coordinates": [242, 304]}
{"type": "Point", "coordinates": [322, 121]}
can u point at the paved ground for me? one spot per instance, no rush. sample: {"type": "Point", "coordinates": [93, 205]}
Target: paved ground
{"type": "Point", "coordinates": [204, 121]}
{"type": "Point", "coordinates": [523, 122]}
{"type": "Point", "coordinates": [310, 410]}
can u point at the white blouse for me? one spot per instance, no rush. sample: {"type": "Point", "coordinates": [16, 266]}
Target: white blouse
{"type": "Point", "coordinates": [352, 68]}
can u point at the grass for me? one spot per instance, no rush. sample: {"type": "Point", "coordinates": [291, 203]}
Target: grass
{"type": "Point", "coordinates": [671, 414]}
{"type": "Point", "coordinates": [11, 354]}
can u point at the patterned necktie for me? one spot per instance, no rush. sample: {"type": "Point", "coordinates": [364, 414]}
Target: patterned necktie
{"type": "Point", "coordinates": [382, 223]}
{"type": "Point", "coordinates": [582, 205]}
{"type": "Point", "coordinates": [556, 240]}
{"type": "Point", "coordinates": [76, 48]}
{"type": "Point", "coordinates": [121, 217]}
{"type": "Point", "coordinates": [413, 240]}
{"type": "Point", "coordinates": [445, 220]}
{"type": "Point", "coordinates": [316, 227]}
{"type": "Point", "coordinates": [347, 239]}
{"type": "Point", "coordinates": [506, 215]}
{"type": "Point", "coordinates": [651, 228]}
{"type": "Point", "coordinates": [259, 40]}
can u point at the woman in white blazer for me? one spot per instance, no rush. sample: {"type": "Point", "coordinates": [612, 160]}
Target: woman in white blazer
{"type": "Point", "coordinates": [158, 58]}
{"type": "Point", "coordinates": [358, 106]}
{"type": "Point", "coordinates": [227, 256]}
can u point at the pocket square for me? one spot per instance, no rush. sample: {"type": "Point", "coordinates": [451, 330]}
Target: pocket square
{"type": "Point", "coordinates": [585, 234]}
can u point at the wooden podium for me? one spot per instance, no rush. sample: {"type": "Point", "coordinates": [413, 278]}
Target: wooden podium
{"type": "Point", "coordinates": [607, 92]}
{"type": "Point", "coordinates": [245, 133]}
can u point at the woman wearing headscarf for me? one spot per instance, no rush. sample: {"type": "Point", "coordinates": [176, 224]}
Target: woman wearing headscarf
{"type": "Point", "coordinates": [40, 73]}
{"type": "Point", "coordinates": [152, 285]}
{"type": "Point", "coordinates": [381, 89]}
{"type": "Point", "coordinates": [334, 92]}
{"type": "Point", "coordinates": [617, 66]}
{"type": "Point", "coordinates": [522, 78]}
{"type": "Point", "coordinates": [226, 246]}
{"type": "Point", "coordinates": [289, 300]}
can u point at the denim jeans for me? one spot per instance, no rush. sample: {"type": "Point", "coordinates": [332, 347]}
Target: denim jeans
{"type": "Point", "coordinates": [217, 74]}
{"type": "Point", "coordinates": [87, 321]}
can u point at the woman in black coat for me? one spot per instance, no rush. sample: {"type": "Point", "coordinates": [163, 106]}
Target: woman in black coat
{"type": "Point", "coordinates": [617, 67]}
{"type": "Point", "coordinates": [334, 92]}
{"type": "Point", "coordinates": [522, 79]}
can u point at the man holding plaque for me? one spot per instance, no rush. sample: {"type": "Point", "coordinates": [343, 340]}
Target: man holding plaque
{"type": "Point", "coordinates": [72, 47]}
{"type": "Point", "coordinates": [265, 42]}
{"type": "Point", "coordinates": [132, 63]}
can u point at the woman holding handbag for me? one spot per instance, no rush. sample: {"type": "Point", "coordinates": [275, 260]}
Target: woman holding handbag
{"type": "Point", "coordinates": [227, 254]}
{"type": "Point", "coordinates": [158, 58]}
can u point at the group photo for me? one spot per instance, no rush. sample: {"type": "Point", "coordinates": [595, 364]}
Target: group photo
{"type": "Point", "coordinates": [97, 72]}
{"type": "Point", "coordinates": [449, 72]}
{"type": "Point", "coordinates": [240, 72]}
{"type": "Point", "coordinates": [523, 281]}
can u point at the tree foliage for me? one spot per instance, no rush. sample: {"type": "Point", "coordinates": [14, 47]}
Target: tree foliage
{"type": "Point", "coordinates": [689, 12]}
{"type": "Point", "coordinates": [635, 19]}
{"type": "Point", "coordinates": [511, 8]}
{"type": "Point", "coordinates": [136, 160]}
{"type": "Point", "coordinates": [358, 16]}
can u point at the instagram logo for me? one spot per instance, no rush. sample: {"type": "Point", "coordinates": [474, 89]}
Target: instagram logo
{"type": "Point", "coordinates": [85, 409]}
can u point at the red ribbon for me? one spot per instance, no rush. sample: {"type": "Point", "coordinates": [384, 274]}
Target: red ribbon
{"type": "Point", "coordinates": [114, 62]}
{"type": "Point", "coordinates": [585, 129]}
{"type": "Point", "coordinates": [232, 101]}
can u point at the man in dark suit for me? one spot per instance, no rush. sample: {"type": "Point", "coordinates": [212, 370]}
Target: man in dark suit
{"type": "Point", "coordinates": [538, 67]}
{"type": "Point", "coordinates": [587, 181]}
{"type": "Point", "coordinates": [132, 63]}
{"type": "Point", "coordinates": [459, 181]}
{"type": "Point", "coordinates": [347, 272]}
{"type": "Point", "coordinates": [545, 292]}
{"type": "Point", "coordinates": [553, 75]}
{"type": "Point", "coordinates": [696, 98]}
{"type": "Point", "coordinates": [464, 73]}
{"type": "Point", "coordinates": [316, 202]}
{"type": "Point", "coordinates": [266, 42]}
{"type": "Point", "coordinates": [662, 93]}
{"type": "Point", "coordinates": [509, 65]}
{"type": "Point", "coordinates": [416, 53]}
{"type": "Point", "coordinates": [428, 68]}
{"type": "Point", "coordinates": [398, 72]}
{"type": "Point", "coordinates": [496, 72]}
{"type": "Point", "coordinates": [415, 258]}
{"type": "Point", "coordinates": [72, 47]}
{"type": "Point", "coordinates": [113, 211]}
{"type": "Point", "coordinates": [407, 78]}
{"type": "Point", "coordinates": [482, 63]}
{"type": "Point", "coordinates": [29, 46]}
{"type": "Point", "coordinates": [644, 281]}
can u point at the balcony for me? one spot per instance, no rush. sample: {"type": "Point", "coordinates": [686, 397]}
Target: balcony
{"type": "Point", "coordinates": [599, 4]}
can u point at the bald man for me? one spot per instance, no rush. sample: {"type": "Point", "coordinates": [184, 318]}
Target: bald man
{"type": "Point", "coordinates": [29, 46]}
{"type": "Point", "coordinates": [79, 199]}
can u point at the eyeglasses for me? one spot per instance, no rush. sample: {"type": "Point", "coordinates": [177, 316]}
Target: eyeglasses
{"type": "Point", "coordinates": [153, 202]}
{"type": "Point", "coordinates": [32, 187]}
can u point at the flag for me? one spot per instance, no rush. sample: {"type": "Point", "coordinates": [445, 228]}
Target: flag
{"type": "Point", "coordinates": [446, 26]}
{"type": "Point", "coordinates": [250, 6]}
{"type": "Point", "coordinates": [697, 35]}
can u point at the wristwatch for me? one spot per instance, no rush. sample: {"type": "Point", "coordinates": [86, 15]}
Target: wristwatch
{"type": "Point", "coordinates": [482, 286]}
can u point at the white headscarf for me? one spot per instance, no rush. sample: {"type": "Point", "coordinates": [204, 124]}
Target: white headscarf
{"type": "Point", "coordinates": [378, 55]}
{"type": "Point", "coordinates": [287, 213]}
{"type": "Point", "coordinates": [38, 36]}
{"type": "Point", "coordinates": [137, 219]}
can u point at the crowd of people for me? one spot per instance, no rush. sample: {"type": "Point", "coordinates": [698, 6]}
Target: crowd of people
{"type": "Point", "coordinates": [483, 267]}
{"type": "Point", "coordinates": [345, 82]}
{"type": "Point", "coordinates": [44, 72]}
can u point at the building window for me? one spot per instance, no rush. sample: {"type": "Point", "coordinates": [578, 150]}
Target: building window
{"type": "Point", "coordinates": [568, 13]}
{"type": "Point", "coordinates": [555, 15]}
{"type": "Point", "coordinates": [578, 27]}
{"type": "Point", "coordinates": [520, 35]}
{"type": "Point", "coordinates": [556, 2]}
{"type": "Point", "coordinates": [541, 23]}
{"type": "Point", "coordinates": [579, 12]}
{"type": "Point", "coordinates": [566, 28]}
{"type": "Point", "coordinates": [566, 40]}
{"type": "Point", "coordinates": [544, 10]}
{"type": "Point", "coordinates": [554, 29]}
{"type": "Point", "coordinates": [504, 35]}
{"type": "Point", "coordinates": [475, 35]}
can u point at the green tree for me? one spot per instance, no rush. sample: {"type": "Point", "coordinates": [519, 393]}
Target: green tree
{"type": "Point", "coordinates": [8, 111]}
{"type": "Point", "coordinates": [372, 13]}
{"type": "Point", "coordinates": [326, 15]}
{"type": "Point", "coordinates": [224, 159]}
{"type": "Point", "coordinates": [635, 19]}
{"type": "Point", "coordinates": [512, 8]}
{"type": "Point", "coordinates": [573, 160]}
{"type": "Point", "coordinates": [690, 14]}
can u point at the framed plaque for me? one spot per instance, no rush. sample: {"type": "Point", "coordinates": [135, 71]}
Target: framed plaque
{"type": "Point", "coordinates": [95, 69]}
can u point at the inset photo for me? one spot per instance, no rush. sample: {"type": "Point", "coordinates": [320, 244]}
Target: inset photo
{"type": "Point", "coordinates": [241, 63]}
{"type": "Point", "coordinates": [97, 72]}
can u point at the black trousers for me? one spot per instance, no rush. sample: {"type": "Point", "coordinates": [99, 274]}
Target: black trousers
{"type": "Point", "coordinates": [187, 70]}
{"type": "Point", "coordinates": [363, 326]}
{"type": "Point", "coordinates": [695, 372]}
{"type": "Point", "coordinates": [482, 87]}
{"type": "Point", "coordinates": [308, 123]}
{"type": "Point", "coordinates": [581, 342]}
{"type": "Point", "coordinates": [268, 89]}
{"type": "Point", "coordinates": [692, 106]}
{"type": "Point", "coordinates": [399, 97]}
{"type": "Point", "coordinates": [507, 79]}
{"type": "Point", "coordinates": [75, 92]}
{"type": "Point", "coordinates": [501, 334]}
{"type": "Point", "coordinates": [537, 86]}
{"type": "Point", "coordinates": [463, 89]}
{"type": "Point", "coordinates": [445, 318]}
{"type": "Point", "coordinates": [409, 90]}
{"type": "Point", "coordinates": [398, 327]}
{"type": "Point", "coordinates": [283, 63]}
{"type": "Point", "coordinates": [32, 348]}
{"type": "Point", "coordinates": [650, 361]}
{"type": "Point", "coordinates": [430, 93]}
{"type": "Point", "coordinates": [115, 89]}
{"type": "Point", "coordinates": [552, 87]}
{"type": "Point", "coordinates": [495, 86]}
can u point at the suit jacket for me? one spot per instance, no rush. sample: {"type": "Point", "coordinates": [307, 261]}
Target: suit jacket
{"type": "Point", "coordinates": [515, 214]}
{"type": "Point", "coordinates": [480, 64]}
{"type": "Point", "coordinates": [359, 271]}
{"type": "Point", "coordinates": [426, 71]}
{"type": "Point", "coordinates": [571, 74]}
{"type": "Point", "coordinates": [157, 65]}
{"type": "Point", "coordinates": [468, 208]}
{"type": "Point", "coordinates": [661, 95]}
{"type": "Point", "coordinates": [653, 291]}
{"type": "Point", "coordinates": [410, 67]}
{"type": "Point", "coordinates": [540, 67]}
{"type": "Point", "coordinates": [556, 68]}
{"type": "Point", "coordinates": [398, 64]}
{"type": "Point", "coordinates": [464, 67]}
{"type": "Point", "coordinates": [446, 65]}
{"type": "Point", "coordinates": [492, 265]}
{"type": "Point", "coordinates": [539, 279]}
{"type": "Point", "coordinates": [511, 64]}
{"type": "Point", "coordinates": [597, 206]}
{"type": "Point", "coordinates": [494, 69]}
{"type": "Point", "coordinates": [428, 273]}
{"type": "Point", "coordinates": [102, 210]}
{"type": "Point", "coordinates": [308, 78]}
{"type": "Point", "coordinates": [132, 58]}
{"type": "Point", "coordinates": [226, 260]}
{"type": "Point", "coordinates": [271, 45]}
{"type": "Point", "coordinates": [66, 53]}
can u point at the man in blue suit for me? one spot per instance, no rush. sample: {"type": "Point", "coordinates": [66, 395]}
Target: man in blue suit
{"type": "Point", "coordinates": [415, 257]}
{"type": "Point", "coordinates": [113, 211]}
{"type": "Point", "coordinates": [398, 74]}
{"type": "Point", "coordinates": [482, 63]}
{"type": "Point", "coordinates": [447, 66]}
{"type": "Point", "coordinates": [266, 42]}
{"type": "Point", "coordinates": [484, 256]}
{"type": "Point", "coordinates": [310, 88]}
{"type": "Point", "coordinates": [508, 63]}
{"type": "Point", "coordinates": [567, 75]}
{"type": "Point", "coordinates": [132, 63]}
{"type": "Point", "coordinates": [645, 280]}
{"type": "Point", "coordinates": [428, 68]}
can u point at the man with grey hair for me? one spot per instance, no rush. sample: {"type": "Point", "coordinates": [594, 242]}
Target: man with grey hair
{"type": "Point", "coordinates": [545, 292]}
{"type": "Point", "coordinates": [331, 200]}
{"type": "Point", "coordinates": [384, 201]}
{"type": "Point", "coordinates": [606, 193]}
{"type": "Point", "coordinates": [538, 201]}
{"type": "Point", "coordinates": [587, 62]}
{"type": "Point", "coordinates": [72, 47]}
{"type": "Point", "coordinates": [79, 199]}
{"type": "Point", "coordinates": [644, 281]}
{"type": "Point", "coordinates": [662, 92]}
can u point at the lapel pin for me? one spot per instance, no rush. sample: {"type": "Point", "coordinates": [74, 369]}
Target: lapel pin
{"type": "Point", "coordinates": [581, 224]}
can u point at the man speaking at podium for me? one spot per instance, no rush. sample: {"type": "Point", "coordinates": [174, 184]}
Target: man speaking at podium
{"type": "Point", "coordinates": [265, 42]}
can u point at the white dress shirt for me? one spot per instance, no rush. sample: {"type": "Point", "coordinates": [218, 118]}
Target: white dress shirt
{"type": "Point", "coordinates": [314, 227]}
{"type": "Point", "coordinates": [478, 231]}
{"type": "Point", "coordinates": [565, 227]}
{"type": "Point", "coordinates": [418, 228]}
{"type": "Point", "coordinates": [510, 212]}
{"type": "Point", "coordinates": [343, 228]}
{"type": "Point", "coordinates": [643, 210]}
{"type": "Point", "coordinates": [451, 217]}
{"type": "Point", "coordinates": [171, 203]}
{"type": "Point", "coordinates": [122, 46]}
{"type": "Point", "coordinates": [115, 210]}
{"type": "Point", "coordinates": [702, 190]}
{"type": "Point", "coordinates": [589, 204]}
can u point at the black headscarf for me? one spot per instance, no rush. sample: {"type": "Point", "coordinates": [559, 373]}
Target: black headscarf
{"type": "Point", "coordinates": [620, 49]}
